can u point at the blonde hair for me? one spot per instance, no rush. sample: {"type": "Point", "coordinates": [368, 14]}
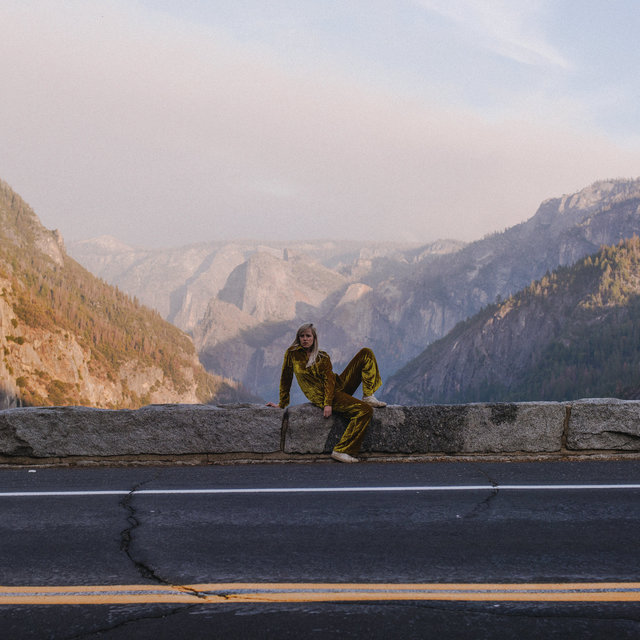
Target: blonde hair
{"type": "Point", "coordinates": [314, 349]}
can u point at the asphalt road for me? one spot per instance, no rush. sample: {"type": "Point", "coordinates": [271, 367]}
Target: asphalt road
{"type": "Point", "coordinates": [452, 550]}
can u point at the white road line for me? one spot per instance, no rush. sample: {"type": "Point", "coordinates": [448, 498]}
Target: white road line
{"type": "Point", "coordinates": [257, 490]}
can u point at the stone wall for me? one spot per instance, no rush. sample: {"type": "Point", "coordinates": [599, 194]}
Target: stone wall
{"type": "Point", "coordinates": [255, 431]}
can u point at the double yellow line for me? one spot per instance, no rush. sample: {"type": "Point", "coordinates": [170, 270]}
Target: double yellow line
{"type": "Point", "coordinates": [260, 592]}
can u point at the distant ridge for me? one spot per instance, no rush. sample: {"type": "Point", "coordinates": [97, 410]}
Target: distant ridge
{"type": "Point", "coordinates": [573, 334]}
{"type": "Point", "coordinates": [242, 310]}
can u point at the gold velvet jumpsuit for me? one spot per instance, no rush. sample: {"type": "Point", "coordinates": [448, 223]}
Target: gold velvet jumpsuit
{"type": "Point", "coordinates": [323, 387]}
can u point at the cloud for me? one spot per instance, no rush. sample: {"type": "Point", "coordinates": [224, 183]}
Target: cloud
{"type": "Point", "coordinates": [505, 27]}
{"type": "Point", "coordinates": [161, 132]}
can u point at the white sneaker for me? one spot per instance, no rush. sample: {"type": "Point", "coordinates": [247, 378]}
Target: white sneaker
{"type": "Point", "coordinates": [343, 457]}
{"type": "Point", "coordinates": [374, 402]}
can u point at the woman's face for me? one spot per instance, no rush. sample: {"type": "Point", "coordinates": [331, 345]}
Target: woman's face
{"type": "Point", "coordinates": [306, 338]}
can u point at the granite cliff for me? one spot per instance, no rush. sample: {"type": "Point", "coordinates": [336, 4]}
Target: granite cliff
{"type": "Point", "coordinates": [68, 338]}
{"type": "Point", "coordinates": [575, 333]}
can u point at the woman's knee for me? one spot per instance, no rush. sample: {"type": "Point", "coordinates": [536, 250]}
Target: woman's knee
{"type": "Point", "coordinates": [365, 351]}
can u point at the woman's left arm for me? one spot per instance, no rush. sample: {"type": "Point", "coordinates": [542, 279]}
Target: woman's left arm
{"type": "Point", "coordinates": [285, 379]}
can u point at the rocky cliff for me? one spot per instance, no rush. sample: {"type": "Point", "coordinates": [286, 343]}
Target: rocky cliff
{"type": "Point", "coordinates": [429, 302]}
{"type": "Point", "coordinates": [68, 338]}
{"type": "Point", "coordinates": [573, 333]}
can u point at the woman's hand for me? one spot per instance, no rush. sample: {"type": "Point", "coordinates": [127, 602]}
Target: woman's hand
{"type": "Point", "coordinates": [327, 411]}
{"type": "Point", "coordinates": [273, 404]}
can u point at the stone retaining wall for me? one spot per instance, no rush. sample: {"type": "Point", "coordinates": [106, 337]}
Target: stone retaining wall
{"type": "Point", "coordinates": [41, 433]}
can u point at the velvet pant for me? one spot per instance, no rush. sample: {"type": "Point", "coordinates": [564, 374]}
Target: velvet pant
{"type": "Point", "coordinates": [363, 369]}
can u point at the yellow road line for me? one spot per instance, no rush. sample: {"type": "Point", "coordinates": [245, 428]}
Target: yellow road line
{"type": "Point", "coordinates": [252, 592]}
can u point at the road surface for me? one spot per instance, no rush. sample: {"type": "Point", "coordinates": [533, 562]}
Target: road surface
{"type": "Point", "coordinates": [466, 550]}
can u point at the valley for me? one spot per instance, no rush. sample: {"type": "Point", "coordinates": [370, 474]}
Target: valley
{"type": "Point", "coordinates": [242, 301]}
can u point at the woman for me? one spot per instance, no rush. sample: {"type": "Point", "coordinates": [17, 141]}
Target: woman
{"type": "Point", "coordinates": [329, 391]}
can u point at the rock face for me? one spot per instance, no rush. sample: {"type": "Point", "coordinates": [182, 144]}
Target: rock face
{"type": "Point", "coordinates": [68, 338]}
{"type": "Point", "coordinates": [519, 429]}
{"type": "Point", "coordinates": [53, 366]}
{"type": "Point", "coordinates": [569, 334]}
{"type": "Point", "coordinates": [396, 300]}
{"type": "Point", "coordinates": [156, 278]}
{"type": "Point", "coordinates": [270, 288]}
{"type": "Point", "coordinates": [424, 306]}
{"type": "Point", "coordinates": [264, 293]}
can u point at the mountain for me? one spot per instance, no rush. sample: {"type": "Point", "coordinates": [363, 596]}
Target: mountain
{"type": "Point", "coordinates": [429, 302]}
{"type": "Point", "coordinates": [239, 300]}
{"type": "Point", "coordinates": [181, 282]}
{"type": "Point", "coordinates": [242, 310]}
{"type": "Point", "coordinates": [398, 307]}
{"type": "Point", "coordinates": [68, 338]}
{"type": "Point", "coordinates": [575, 333]}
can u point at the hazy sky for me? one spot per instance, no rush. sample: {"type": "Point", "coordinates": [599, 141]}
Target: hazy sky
{"type": "Point", "coordinates": [167, 122]}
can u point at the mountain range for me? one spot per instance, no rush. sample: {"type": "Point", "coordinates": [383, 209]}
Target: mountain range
{"type": "Point", "coordinates": [67, 337]}
{"type": "Point", "coordinates": [242, 302]}
{"type": "Point", "coordinates": [573, 334]}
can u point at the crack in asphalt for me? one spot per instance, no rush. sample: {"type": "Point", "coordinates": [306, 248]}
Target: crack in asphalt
{"type": "Point", "coordinates": [126, 540]}
{"type": "Point", "coordinates": [494, 484]}
{"type": "Point", "coordinates": [484, 504]}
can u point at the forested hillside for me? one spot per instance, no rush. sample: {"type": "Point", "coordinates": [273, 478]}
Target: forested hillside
{"type": "Point", "coordinates": [69, 338]}
{"type": "Point", "coordinates": [573, 334]}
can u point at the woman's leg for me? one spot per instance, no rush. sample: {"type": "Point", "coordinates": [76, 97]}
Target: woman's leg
{"type": "Point", "coordinates": [363, 368]}
{"type": "Point", "coordinates": [359, 414]}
